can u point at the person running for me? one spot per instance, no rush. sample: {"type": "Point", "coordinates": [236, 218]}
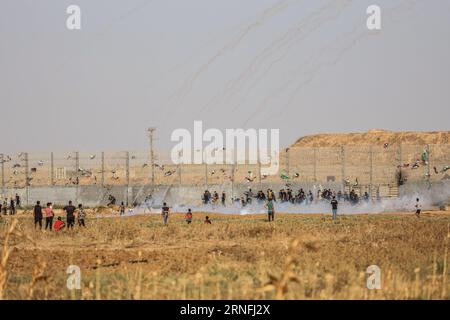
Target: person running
{"type": "Point", "coordinates": [59, 224]}
{"type": "Point", "coordinates": [49, 214]}
{"type": "Point", "coordinates": [418, 207]}
{"type": "Point", "coordinates": [70, 214]}
{"type": "Point", "coordinates": [37, 215]}
{"type": "Point", "coordinates": [165, 213]}
{"type": "Point", "coordinates": [207, 220]}
{"type": "Point", "coordinates": [189, 216]}
{"type": "Point", "coordinates": [122, 209]}
{"type": "Point", "coordinates": [81, 216]}
{"type": "Point", "coordinates": [334, 207]}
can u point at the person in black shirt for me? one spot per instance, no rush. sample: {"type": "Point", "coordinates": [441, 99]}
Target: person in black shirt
{"type": "Point", "coordinates": [70, 214]}
{"type": "Point", "coordinates": [165, 213]}
{"type": "Point", "coordinates": [223, 198]}
{"type": "Point", "coordinates": [12, 207]}
{"type": "Point", "coordinates": [334, 207]}
{"type": "Point", "coordinates": [18, 200]}
{"type": "Point", "coordinates": [38, 215]}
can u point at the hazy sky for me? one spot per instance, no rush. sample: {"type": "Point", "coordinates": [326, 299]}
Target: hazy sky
{"type": "Point", "coordinates": [304, 67]}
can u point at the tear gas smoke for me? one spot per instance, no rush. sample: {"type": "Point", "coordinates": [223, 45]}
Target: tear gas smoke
{"type": "Point", "coordinates": [437, 195]}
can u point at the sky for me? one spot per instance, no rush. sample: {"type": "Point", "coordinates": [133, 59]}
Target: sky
{"type": "Point", "coordinates": [300, 66]}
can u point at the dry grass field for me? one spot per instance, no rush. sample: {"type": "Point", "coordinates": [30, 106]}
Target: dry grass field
{"type": "Point", "coordinates": [237, 257]}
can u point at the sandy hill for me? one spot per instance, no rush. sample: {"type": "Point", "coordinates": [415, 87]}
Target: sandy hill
{"type": "Point", "coordinates": [373, 137]}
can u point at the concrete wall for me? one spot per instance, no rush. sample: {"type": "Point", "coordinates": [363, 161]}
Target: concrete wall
{"type": "Point", "coordinates": [177, 194]}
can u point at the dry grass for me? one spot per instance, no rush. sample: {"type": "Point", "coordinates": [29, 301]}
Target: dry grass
{"type": "Point", "coordinates": [237, 257]}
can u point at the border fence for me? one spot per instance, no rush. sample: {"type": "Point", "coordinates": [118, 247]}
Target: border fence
{"type": "Point", "coordinates": [365, 168]}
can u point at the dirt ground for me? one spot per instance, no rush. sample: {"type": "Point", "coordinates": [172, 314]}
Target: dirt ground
{"type": "Point", "coordinates": [298, 256]}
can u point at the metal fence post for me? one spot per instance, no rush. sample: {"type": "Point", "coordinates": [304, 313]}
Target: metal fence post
{"type": "Point", "coordinates": [343, 165]}
{"type": "Point", "coordinates": [371, 171]}
{"type": "Point", "coordinates": [127, 165]}
{"type": "Point", "coordinates": [77, 177]}
{"type": "Point", "coordinates": [206, 176]}
{"type": "Point", "coordinates": [286, 160]}
{"type": "Point", "coordinates": [103, 169]}
{"type": "Point", "coordinates": [27, 179]}
{"type": "Point", "coordinates": [52, 169]}
{"type": "Point", "coordinates": [428, 166]}
{"type": "Point", "coordinates": [3, 173]}
{"type": "Point", "coordinates": [315, 165]}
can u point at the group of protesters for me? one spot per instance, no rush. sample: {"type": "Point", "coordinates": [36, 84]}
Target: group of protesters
{"type": "Point", "coordinates": [10, 205]}
{"type": "Point", "coordinates": [49, 214]}
{"type": "Point", "coordinates": [301, 197]}
{"type": "Point", "coordinates": [213, 198]}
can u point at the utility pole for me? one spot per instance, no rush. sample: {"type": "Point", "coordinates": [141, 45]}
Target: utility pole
{"type": "Point", "coordinates": [151, 130]}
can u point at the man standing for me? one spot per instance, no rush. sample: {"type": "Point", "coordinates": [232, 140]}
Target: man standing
{"type": "Point", "coordinates": [223, 198]}
{"type": "Point", "coordinates": [18, 204]}
{"type": "Point", "coordinates": [70, 214]}
{"type": "Point", "coordinates": [81, 216]}
{"type": "Point", "coordinates": [38, 215]}
{"type": "Point", "coordinates": [165, 213]}
{"type": "Point", "coordinates": [334, 207]}
{"type": "Point", "coordinates": [12, 207]}
{"type": "Point", "coordinates": [418, 207]}
{"type": "Point", "coordinates": [270, 210]}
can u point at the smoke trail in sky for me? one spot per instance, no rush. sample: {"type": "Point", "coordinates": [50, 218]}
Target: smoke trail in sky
{"type": "Point", "coordinates": [292, 36]}
{"type": "Point", "coordinates": [261, 20]}
{"type": "Point", "coordinates": [319, 62]}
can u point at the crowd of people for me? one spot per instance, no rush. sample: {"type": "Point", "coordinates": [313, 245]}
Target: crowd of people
{"type": "Point", "coordinates": [268, 198]}
{"type": "Point", "coordinates": [285, 195]}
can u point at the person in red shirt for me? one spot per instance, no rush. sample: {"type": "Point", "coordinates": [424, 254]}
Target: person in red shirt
{"type": "Point", "coordinates": [59, 224]}
{"type": "Point", "coordinates": [189, 216]}
{"type": "Point", "coordinates": [49, 214]}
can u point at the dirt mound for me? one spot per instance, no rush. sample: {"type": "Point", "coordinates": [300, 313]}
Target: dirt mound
{"type": "Point", "coordinates": [373, 137]}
